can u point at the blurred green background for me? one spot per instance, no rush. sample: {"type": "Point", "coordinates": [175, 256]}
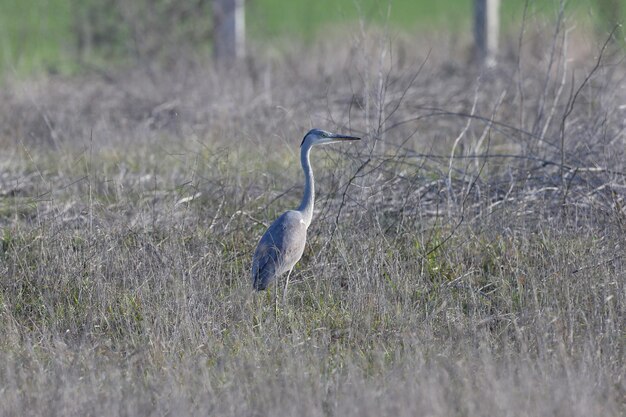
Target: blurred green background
{"type": "Point", "coordinates": [64, 35]}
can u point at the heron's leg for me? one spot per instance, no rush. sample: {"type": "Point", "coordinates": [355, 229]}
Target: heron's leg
{"type": "Point", "coordinates": [286, 284]}
{"type": "Point", "coordinates": [275, 299]}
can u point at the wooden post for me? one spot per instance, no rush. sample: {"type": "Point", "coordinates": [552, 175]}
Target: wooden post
{"type": "Point", "coordinates": [228, 30]}
{"type": "Point", "coordinates": [486, 27]}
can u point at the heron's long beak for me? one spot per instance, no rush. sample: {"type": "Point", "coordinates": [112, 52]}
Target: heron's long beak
{"type": "Point", "coordinates": [344, 137]}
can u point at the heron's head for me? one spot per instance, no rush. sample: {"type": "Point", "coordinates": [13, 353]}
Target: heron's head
{"type": "Point", "coordinates": [320, 137]}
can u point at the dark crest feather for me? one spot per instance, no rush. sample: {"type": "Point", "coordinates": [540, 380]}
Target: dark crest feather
{"type": "Point", "coordinates": [307, 134]}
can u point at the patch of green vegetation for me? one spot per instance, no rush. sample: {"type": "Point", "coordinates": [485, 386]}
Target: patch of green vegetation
{"type": "Point", "coordinates": [431, 254]}
{"type": "Point", "coordinates": [124, 317]}
{"type": "Point", "coordinates": [279, 18]}
{"type": "Point", "coordinates": [272, 18]}
{"type": "Point", "coordinates": [38, 35]}
{"type": "Point", "coordinates": [35, 35]}
{"type": "Point", "coordinates": [17, 207]}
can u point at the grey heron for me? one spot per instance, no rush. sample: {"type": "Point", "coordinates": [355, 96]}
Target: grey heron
{"type": "Point", "coordinates": [282, 245]}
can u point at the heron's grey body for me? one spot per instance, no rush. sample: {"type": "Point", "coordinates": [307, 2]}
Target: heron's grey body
{"type": "Point", "coordinates": [282, 245]}
{"type": "Point", "coordinates": [280, 248]}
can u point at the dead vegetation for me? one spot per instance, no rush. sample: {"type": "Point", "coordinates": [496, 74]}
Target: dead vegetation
{"type": "Point", "coordinates": [468, 259]}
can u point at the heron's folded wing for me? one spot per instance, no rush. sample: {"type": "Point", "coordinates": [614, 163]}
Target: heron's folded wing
{"type": "Point", "coordinates": [279, 249]}
{"type": "Point", "coordinates": [264, 265]}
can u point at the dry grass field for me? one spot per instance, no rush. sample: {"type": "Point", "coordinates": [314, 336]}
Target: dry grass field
{"type": "Point", "coordinates": [465, 259]}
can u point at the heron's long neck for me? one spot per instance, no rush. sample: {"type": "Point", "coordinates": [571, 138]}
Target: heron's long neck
{"type": "Point", "coordinates": [308, 199]}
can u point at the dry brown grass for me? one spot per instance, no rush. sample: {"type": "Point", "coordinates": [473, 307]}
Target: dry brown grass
{"type": "Point", "coordinates": [476, 266]}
